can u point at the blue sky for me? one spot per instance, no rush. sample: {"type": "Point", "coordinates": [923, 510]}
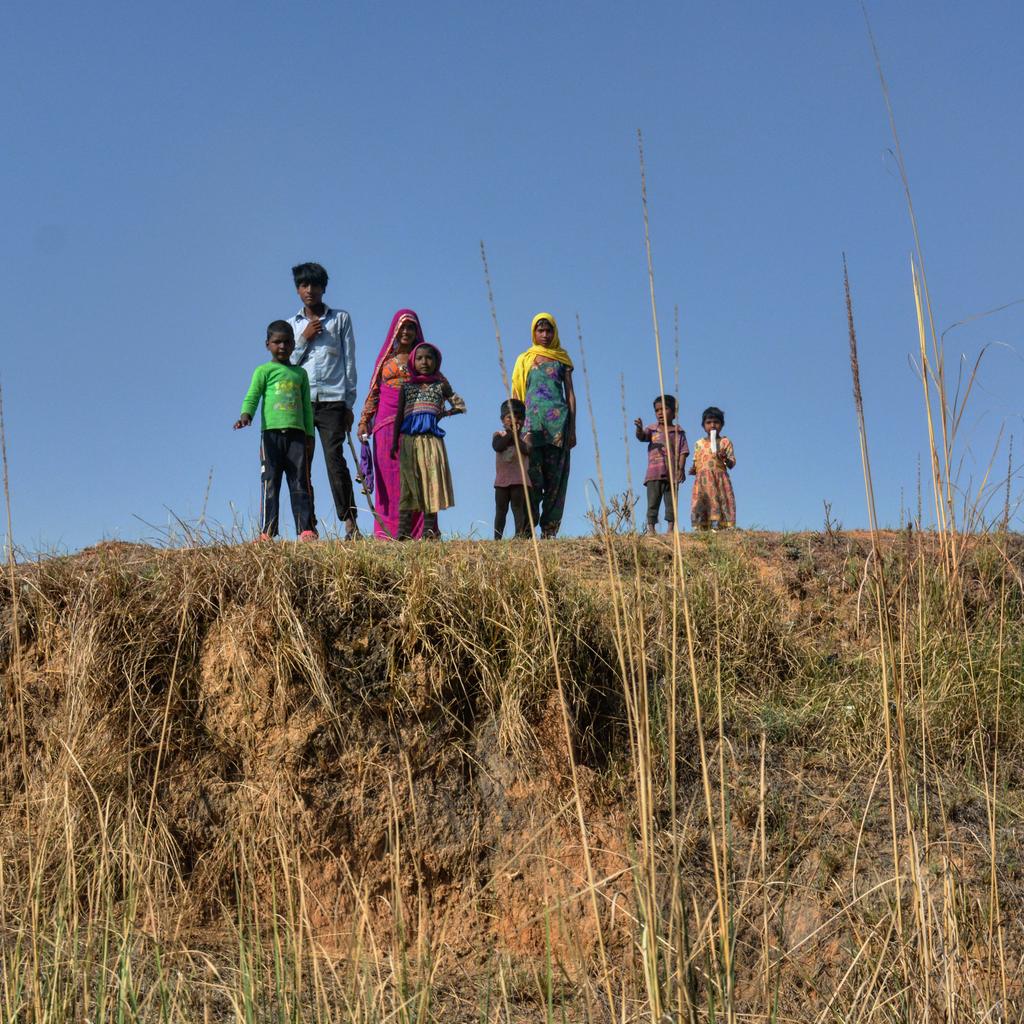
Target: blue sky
{"type": "Point", "coordinates": [166, 165]}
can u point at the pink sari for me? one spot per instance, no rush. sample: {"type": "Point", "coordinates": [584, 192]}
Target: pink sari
{"type": "Point", "coordinates": [385, 386]}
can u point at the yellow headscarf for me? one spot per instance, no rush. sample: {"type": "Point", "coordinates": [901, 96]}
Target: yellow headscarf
{"type": "Point", "coordinates": [525, 362]}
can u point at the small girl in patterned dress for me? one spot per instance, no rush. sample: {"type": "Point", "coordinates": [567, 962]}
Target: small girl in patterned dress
{"type": "Point", "coordinates": [713, 505]}
{"type": "Point", "coordinates": [418, 441]}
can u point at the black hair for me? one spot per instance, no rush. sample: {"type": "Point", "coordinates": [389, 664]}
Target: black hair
{"type": "Point", "coordinates": [512, 407]}
{"type": "Point", "coordinates": [712, 412]}
{"type": "Point", "coordinates": [309, 273]}
{"type": "Point", "coordinates": [280, 327]}
{"type": "Point", "coordinates": [670, 401]}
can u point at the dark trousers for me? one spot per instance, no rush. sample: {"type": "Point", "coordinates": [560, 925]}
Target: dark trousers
{"type": "Point", "coordinates": [284, 452]}
{"type": "Point", "coordinates": [516, 497]}
{"type": "Point", "coordinates": [658, 491]}
{"type": "Point", "coordinates": [328, 418]}
{"type": "Point", "coordinates": [549, 475]}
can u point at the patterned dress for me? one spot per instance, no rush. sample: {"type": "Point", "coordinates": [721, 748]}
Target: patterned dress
{"type": "Point", "coordinates": [426, 475]}
{"type": "Point", "coordinates": [713, 503]}
{"type": "Point", "coordinates": [547, 417]}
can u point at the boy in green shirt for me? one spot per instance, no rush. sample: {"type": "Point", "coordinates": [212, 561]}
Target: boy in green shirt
{"type": "Point", "coordinates": [287, 438]}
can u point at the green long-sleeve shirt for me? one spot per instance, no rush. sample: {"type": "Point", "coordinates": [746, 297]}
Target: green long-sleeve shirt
{"type": "Point", "coordinates": [285, 393]}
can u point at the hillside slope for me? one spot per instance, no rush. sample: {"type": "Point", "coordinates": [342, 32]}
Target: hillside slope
{"type": "Point", "coordinates": [395, 755]}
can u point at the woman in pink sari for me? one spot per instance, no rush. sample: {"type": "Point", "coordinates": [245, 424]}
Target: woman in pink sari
{"type": "Point", "coordinates": [390, 372]}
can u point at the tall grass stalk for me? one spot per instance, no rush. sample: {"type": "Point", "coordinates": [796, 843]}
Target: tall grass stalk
{"type": "Point", "coordinates": [629, 669]}
{"type": "Point", "coordinates": [17, 687]}
{"type": "Point", "coordinates": [559, 683]}
{"type": "Point", "coordinates": [886, 651]}
{"type": "Point", "coordinates": [934, 368]}
{"type": "Point", "coordinates": [681, 608]}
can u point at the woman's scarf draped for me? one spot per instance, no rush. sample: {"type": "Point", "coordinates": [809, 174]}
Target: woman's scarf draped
{"type": "Point", "coordinates": [387, 350]}
{"type": "Point", "coordinates": [419, 378]}
{"type": "Point", "coordinates": [525, 362]}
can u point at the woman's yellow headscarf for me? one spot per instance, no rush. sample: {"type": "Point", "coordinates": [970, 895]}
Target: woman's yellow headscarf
{"type": "Point", "coordinates": [525, 362]}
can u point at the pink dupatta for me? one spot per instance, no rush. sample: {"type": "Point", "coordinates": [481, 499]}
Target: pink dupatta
{"type": "Point", "coordinates": [388, 482]}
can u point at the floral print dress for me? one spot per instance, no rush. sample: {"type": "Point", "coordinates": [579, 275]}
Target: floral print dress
{"type": "Point", "coordinates": [713, 503]}
{"type": "Point", "coordinates": [547, 418]}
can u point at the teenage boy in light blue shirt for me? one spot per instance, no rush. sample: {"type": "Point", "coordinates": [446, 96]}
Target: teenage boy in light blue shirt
{"type": "Point", "coordinates": [325, 347]}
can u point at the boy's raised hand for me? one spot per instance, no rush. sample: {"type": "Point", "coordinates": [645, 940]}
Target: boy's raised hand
{"type": "Point", "coordinates": [313, 328]}
{"type": "Point", "coordinates": [243, 421]}
{"type": "Point", "coordinates": [638, 423]}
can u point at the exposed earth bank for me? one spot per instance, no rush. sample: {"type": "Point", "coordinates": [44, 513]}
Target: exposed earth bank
{"type": "Point", "coordinates": [431, 744]}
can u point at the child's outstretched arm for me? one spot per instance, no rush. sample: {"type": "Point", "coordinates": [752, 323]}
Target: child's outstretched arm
{"type": "Point", "coordinates": [257, 387]}
{"type": "Point", "coordinates": [642, 433]}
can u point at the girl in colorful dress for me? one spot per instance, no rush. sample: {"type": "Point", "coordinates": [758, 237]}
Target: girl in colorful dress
{"type": "Point", "coordinates": [542, 378]}
{"type": "Point", "coordinates": [390, 372]}
{"type": "Point", "coordinates": [418, 441]}
{"type": "Point", "coordinates": [713, 505]}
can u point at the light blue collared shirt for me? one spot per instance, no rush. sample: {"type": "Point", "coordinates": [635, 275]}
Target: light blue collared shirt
{"type": "Point", "coordinates": [330, 358]}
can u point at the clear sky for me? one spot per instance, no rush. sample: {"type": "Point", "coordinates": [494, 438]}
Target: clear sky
{"type": "Point", "coordinates": [165, 165]}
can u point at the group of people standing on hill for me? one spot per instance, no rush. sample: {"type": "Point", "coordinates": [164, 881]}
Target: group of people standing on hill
{"type": "Point", "coordinates": [309, 388]}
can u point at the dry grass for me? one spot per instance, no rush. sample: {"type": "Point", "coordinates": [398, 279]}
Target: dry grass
{"type": "Point", "coordinates": [293, 784]}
